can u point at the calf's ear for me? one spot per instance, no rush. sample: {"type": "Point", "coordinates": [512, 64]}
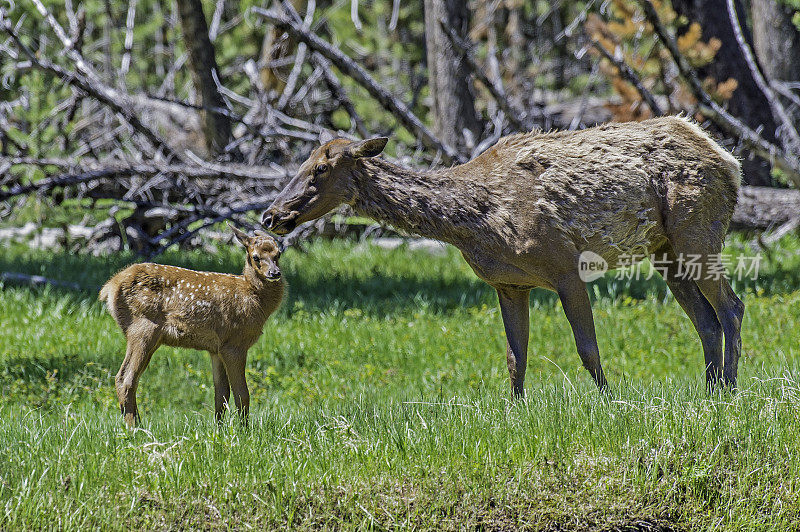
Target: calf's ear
{"type": "Point", "coordinates": [282, 243]}
{"type": "Point", "coordinates": [241, 236]}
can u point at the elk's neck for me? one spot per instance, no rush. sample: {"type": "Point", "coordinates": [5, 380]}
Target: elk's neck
{"type": "Point", "coordinates": [446, 205]}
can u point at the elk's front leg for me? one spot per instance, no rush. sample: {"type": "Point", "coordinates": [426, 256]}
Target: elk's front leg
{"type": "Point", "coordinates": [514, 308]}
{"type": "Point", "coordinates": [235, 360]}
{"type": "Point", "coordinates": [578, 308]}
{"type": "Point", "coordinates": [222, 389]}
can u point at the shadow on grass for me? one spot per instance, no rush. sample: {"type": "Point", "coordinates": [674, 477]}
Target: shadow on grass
{"type": "Point", "coordinates": [371, 285]}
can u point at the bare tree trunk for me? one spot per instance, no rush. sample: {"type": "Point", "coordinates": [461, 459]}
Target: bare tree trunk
{"type": "Point", "coordinates": [203, 64]}
{"type": "Point", "coordinates": [748, 102]}
{"type": "Point", "coordinates": [277, 46]}
{"type": "Point", "coordinates": [448, 74]}
{"type": "Point", "coordinates": [517, 60]}
{"type": "Point", "coordinates": [776, 39]}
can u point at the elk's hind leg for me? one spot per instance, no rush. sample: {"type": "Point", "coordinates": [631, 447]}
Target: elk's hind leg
{"type": "Point", "coordinates": [222, 389]}
{"type": "Point", "coordinates": [143, 337]}
{"type": "Point", "coordinates": [730, 312]}
{"type": "Point", "coordinates": [700, 312]}
{"type": "Point", "coordinates": [578, 308]}
{"type": "Point", "coordinates": [728, 308]}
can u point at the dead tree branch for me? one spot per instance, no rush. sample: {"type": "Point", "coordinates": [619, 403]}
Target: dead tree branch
{"type": "Point", "coordinates": [787, 131]}
{"type": "Point", "coordinates": [786, 162]}
{"type": "Point", "coordinates": [271, 176]}
{"type": "Point", "coordinates": [339, 93]}
{"type": "Point", "coordinates": [38, 280]}
{"type": "Point", "coordinates": [360, 75]}
{"type": "Point", "coordinates": [630, 76]}
{"type": "Point", "coordinates": [765, 207]}
{"type": "Point", "coordinates": [520, 119]}
{"type": "Point", "coordinates": [112, 98]}
{"type": "Point", "coordinates": [86, 78]}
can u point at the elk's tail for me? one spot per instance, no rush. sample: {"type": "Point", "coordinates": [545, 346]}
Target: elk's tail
{"type": "Point", "coordinates": [108, 296]}
{"type": "Point", "coordinates": [105, 292]}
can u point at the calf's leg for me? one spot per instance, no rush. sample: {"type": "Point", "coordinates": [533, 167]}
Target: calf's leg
{"type": "Point", "coordinates": [235, 361]}
{"type": "Point", "coordinates": [143, 337]}
{"type": "Point", "coordinates": [222, 388]}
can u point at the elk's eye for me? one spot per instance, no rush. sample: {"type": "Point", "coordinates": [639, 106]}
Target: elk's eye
{"type": "Point", "coordinates": [257, 259]}
{"type": "Point", "coordinates": [321, 169]}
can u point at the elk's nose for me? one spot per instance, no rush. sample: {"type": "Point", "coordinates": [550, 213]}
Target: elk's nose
{"type": "Point", "coordinates": [267, 219]}
{"type": "Point", "coordinates": [274, 273]}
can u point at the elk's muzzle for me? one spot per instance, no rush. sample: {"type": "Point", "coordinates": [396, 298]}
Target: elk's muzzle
{"type": "Point", "coordinates": [274, 273]}
{"type": "Point", "coordinates": [277, 223]}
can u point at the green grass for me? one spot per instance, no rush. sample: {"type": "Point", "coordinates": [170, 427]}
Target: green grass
{"type": "Point", "coordinates": [380, 399]}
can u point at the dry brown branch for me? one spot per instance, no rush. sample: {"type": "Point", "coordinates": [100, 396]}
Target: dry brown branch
{"type": "Point", "coordinates": [630, 76]}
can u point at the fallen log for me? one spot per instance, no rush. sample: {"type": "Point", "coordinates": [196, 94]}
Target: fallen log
{"type": "Point", "coordinates": [38, 280]}
{"type": "Point", "coordinates": [764, 208]}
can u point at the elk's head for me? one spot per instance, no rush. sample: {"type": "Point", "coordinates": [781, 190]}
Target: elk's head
{"type": "Point", "coordinates": [262, 253]}
{"type": "Point", "coordinates": [323, 182]}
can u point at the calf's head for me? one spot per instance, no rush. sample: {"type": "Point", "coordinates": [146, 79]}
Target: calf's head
{"type": "Point", "coordinates": [262, 253]}
{"type": "Point", "coordinates": [323, 182]}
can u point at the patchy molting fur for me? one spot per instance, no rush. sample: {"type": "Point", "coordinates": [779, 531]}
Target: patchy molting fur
{"type": "Point", "coordinates": [433, 204]}
{"type": "Point", "coordinates": [617, 189]}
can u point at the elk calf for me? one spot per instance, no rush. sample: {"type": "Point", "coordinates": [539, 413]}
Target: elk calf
{"type": "Point", "coordinates": [220, 313]}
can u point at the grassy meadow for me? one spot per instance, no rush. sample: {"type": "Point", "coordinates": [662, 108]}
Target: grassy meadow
{"type": "Point", "coordinates": [380, 400]}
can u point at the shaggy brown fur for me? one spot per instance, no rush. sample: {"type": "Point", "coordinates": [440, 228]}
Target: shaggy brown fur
{"type": "Point", "coordinates": [523, 212]}
{"type": "Point", "coordinates": [216, 312]}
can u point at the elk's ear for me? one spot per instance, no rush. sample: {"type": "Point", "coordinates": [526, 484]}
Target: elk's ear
{"type": "Point", "coordinates": [240, 236]}
{"type": "Point", "coordinates": [367, 148]}
{"type": "Point", "coordinates": [326, 136]}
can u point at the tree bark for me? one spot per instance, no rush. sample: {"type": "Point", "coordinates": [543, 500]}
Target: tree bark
{"type": "Point", "coordinates": [776, 40]}
{"type": "Point", "coordinates": [203, 64]}
{"type": "Point", "coordinates": [748, 102]}
{"type": "Point", "coordinates": [277, 46]}
{"type": "Point", "coordinates": [452, 98]}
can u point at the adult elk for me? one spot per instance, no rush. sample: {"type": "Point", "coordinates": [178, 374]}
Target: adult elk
{"type": "Point", "coordinates": [524, 211]}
